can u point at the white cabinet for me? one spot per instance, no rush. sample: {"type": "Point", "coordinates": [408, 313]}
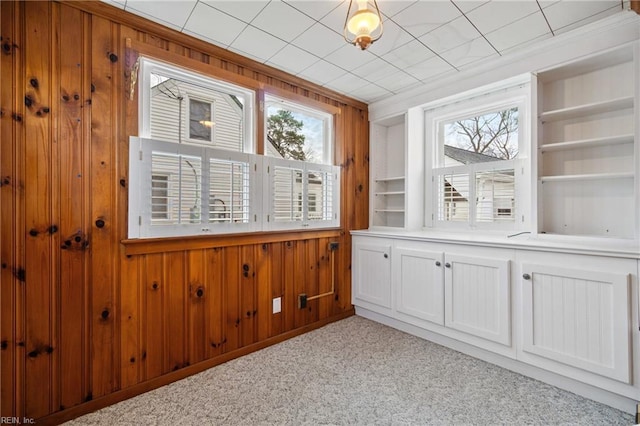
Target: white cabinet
{"type": "Point", "coordinates": [577, 314]}
{"type": "Point", "coordinates": [587, 143]}
{"type": "Point", "coordinates": [478, 297]}
{"type": "Point", "coordinates": [418, 278]}
{"type": "Point", "coordinates": [372, 273]}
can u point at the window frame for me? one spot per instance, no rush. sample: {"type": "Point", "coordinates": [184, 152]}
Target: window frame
{"type": "Point", "coordinates": [475, 103]}
{"type": "Point", "coordinates": [327, 118]}
{"type": "Point", "coordinates": [149, 66]}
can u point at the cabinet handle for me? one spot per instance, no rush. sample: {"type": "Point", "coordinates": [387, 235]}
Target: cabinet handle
{"type": "Point", "coordinates": [386, 256]}
{"type": "Point", "coordinates": [526, 276]}
{"type": "Point", "coordinates": [438, 263]}
{"type": "Point", "coordinates": [447, 265]}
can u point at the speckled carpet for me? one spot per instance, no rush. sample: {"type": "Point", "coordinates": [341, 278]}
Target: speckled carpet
{"type": "Point", "coordinates": [356, 372]}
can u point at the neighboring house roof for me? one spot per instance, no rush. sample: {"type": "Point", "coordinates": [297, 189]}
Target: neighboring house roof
{"type": "Point", "coordinates": [467, 157]}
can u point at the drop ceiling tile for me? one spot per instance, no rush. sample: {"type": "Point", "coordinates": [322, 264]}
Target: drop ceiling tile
{"type": "Point", "coordinates": [472, 51]}
{"type": "Point", "coordinates": [319, 40]}
{"type": "Point", "coordinates": [347, 83]}
{"type": "Point", "coordinates": [244, 10]}
{"type": "Point", "coordinates": [519, 32]}
{"type": "Point", "coordinates": [409, 54]}
{"type": "Point", "coordinates": [292, 59]}
{"type": "Point", "coordinates": [425, 16]}
{"type": "Point", "coordinates": [322, 72]}
{"type": "Point", "coordinates": [335, 18]}
{"type": "Point", "coordinates": [430, 68]}
{"type": "Point", "coordinates": [564, 13]}
{"type": "Point", "coordinates": [282, 20]}
{"type": "Point", "coordinates": [392, 37]}
{"type": "Point", "coordinates": [314, 9]}
{"type": "Point", "coordinates": [453, 34]}
{"type": "Point", "coordinates": [391, 8]}
{"type": "Point", "coordinates": [370, 93]}
{"type": "Point", "coordinates": [591, 18]}
{"type": "Point", "coordinates": [257, 43]}
{"type": "Point", "coordinates": [519, 47]}
{"type": "Point", "coordinates": [397, 82]}
{"type": "Point", "coordinates": [213, 25]}
{"type": "Point", "coordinates": [468, 5]}
{"type": "Point", "coordinates": [116, 3]}
{"type": "Point", "coordinates": [375, 70]}
{"type": "Point", "coordinates": [171, 13]}
{"type": "Point", "coordinates": [349, 57]}
{"type": "Point", "coordinates": [495, 14]}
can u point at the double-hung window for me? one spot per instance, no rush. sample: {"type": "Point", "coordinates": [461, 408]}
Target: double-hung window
{"type": "Point", "coordinates": [303, 183]}
{"type": "Point", "coordinates": [192, 170]}
{"type": "Point", "coordinates": [477, 157]}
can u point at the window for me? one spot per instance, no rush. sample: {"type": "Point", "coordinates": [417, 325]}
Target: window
{"type": "Point", "coordinates": [478, 160]}
{"type": "Point", "coordinates": [201, 120]}
{"type": "Point", "coordinates": [297, 132]}
{"type": "Point", "coordinates": [193, 169]}
{"type": "Point", "coordinates": [184, 107]}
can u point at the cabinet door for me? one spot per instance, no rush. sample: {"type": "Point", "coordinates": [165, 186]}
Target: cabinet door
{"type": "Point", "coordinates": [372, 273]}
{"type": "Point", "coordinates": [577, 317]}
{"type": "Point", "coordinates": [477, 297]}
{"type": "Point", "coordinates": [420, 287]}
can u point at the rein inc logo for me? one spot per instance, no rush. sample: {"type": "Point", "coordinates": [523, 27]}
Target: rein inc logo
{"type": "Point", "coordinates": [17, 421]}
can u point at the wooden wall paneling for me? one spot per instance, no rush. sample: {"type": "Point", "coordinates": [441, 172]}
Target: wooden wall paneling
{"type": "Point", "coordinates": [248, 308]}
{"type": "Point", "coordinates": [36, 276]}
{"type": "Point", "coordinates": [324, 278]}
{"type": "Point", "coordinates": [290, 299]}
{"type": "Point", "coordinates": [231, 297]}
{"type": "Point", "coordinates": [10, 254]}
{"type": "Point", "coordinates": [176, 294]}
{"type": "Point", "coordinates": [299, 266]}
{"type": "Point", "coordinates": [264, 304]}
{"type": "Point", "coordinates": [153, 316]}
{"type": "Point", "coordinates": [214, 312]}
{"type": "Point", "coordinates": [131, 300]}
{"type": "Point", "coordinates": [103, 258]}
{"type": "Point", "coordinates": [198, 288]}
{"type": "Point", "coordinates": [310, 277]}
{"type": "Point", "coordinates": [71, 144]}
{"type": "Point", "coordinates": [276, 272]}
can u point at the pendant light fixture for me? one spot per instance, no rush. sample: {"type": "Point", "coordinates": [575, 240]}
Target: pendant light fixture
{"type": "Point", "coordinates": [361, 24]}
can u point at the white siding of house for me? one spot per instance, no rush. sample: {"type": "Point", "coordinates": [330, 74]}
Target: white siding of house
{"type": "Point", "coordinates": [165, 112]}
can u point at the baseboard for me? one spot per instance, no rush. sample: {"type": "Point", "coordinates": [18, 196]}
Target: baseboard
{"type": "Point", "coordinates": [611, 399]}
{"type": "Point", "coordinates": [140, 388]}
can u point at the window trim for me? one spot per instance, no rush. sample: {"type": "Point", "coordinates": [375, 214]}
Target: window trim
{"type": "Point", "coordinates": [481, 101]}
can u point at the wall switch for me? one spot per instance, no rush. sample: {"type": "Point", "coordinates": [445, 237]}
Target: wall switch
{"type": "Point", "coordinates": [277, 305]}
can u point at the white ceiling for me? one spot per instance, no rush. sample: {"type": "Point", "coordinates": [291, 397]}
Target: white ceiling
{"type": "Point", "coordinates": [423, 40]}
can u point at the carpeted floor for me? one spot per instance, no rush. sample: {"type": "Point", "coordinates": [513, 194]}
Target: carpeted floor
{"type": "Point", "coordinates": [357, 372]}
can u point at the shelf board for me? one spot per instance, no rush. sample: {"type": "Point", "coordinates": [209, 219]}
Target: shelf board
{"type": "Point", "coordinates": [390, 179]}
{"type": "Point", "coordinates": [585, 143]}
{"type": "Point", "coordinates": [587, 109]}
{"type": "Point", "coordinates": [390, 193]}
{"type": "Point", "coordinates": [389, 210]}
{"type": "Point", "coordinates": [588, 176]}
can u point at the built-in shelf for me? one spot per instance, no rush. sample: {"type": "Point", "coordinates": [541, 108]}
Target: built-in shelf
{"type": "Point", "coordinates": [389, 210]}
{"type": "Point", "coordinates": [390, 193]}
{"type": "Point", "coordinates": [390, 179]}
{"type": "Point", "coordinates": [585, 143]}
{"type": "Point", "coordinates": [587, 109]}
{"type": "Point", "coordinates": [585, 177]}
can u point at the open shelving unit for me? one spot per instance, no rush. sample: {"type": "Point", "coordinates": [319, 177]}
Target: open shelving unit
{"type": "Point", "coordinates": [387, 167]}
{"type": "Point", "coordinates": [587, 146]}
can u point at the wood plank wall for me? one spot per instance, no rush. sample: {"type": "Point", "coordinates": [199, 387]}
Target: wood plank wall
{"type": "Point", "coordinates": [87, 318]}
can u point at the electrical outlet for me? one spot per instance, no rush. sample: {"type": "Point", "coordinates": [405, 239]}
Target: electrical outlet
{"type": "Point", "coordinates": [302, 301]}
{"type": "Point", "coordinates": [277, 305]}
